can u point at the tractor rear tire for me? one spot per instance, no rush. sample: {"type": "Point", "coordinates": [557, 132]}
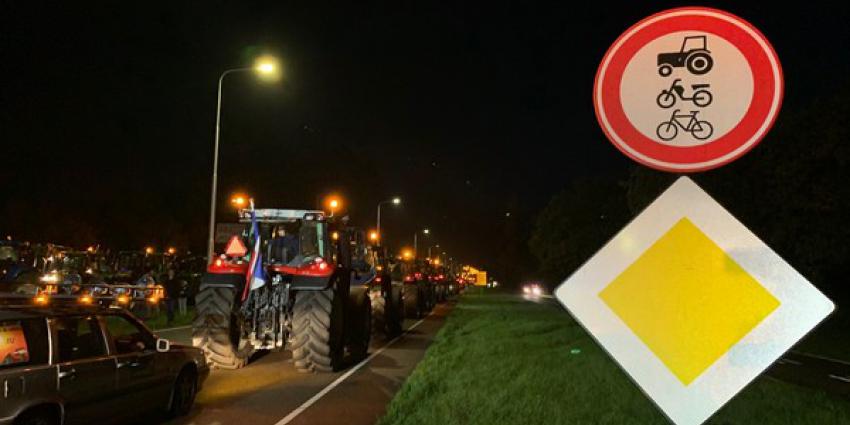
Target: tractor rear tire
{"type": "Point", "coordinates": [317, 328]}
{"type": "Point", "coordinates": [388, 313]}
{"type": "Point", "coordinates": [361, 328]}
{"type": "Point", "coordinates": [218, 329]}
{"type": "Point", "coordinates": [395, 312]}
{"type": "Point", "coordinates": [412, 302]}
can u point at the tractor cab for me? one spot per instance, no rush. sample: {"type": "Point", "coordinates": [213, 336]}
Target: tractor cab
{"type": "Point", "coordinates": [292, 243]}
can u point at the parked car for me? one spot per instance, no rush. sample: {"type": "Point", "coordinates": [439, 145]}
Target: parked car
{"type": "Point", "coordinates": [67, 363]}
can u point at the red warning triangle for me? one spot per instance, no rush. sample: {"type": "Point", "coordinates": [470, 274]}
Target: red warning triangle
{"type": "Point", "coordinates": [235, 247]}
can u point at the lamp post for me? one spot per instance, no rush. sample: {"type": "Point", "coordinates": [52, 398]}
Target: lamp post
{"type": "Point", "coordinates": [394, 201]}
{"type": "Point", "coordinates": [416, 241]}
{"type": "Point", "coordinates": [264, 66]}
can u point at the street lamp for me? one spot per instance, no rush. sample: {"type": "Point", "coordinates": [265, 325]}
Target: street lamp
{"type": "Point", "coordinates": [394, 201]}
{"type": "Point", "coordinates": [239, 201]}
{"type": "Point", "coordinates": [425, 231]}
{"type": "Point", "coordinates": [334, 203]}
{"type": "Point", "coordinates": [267, 68]}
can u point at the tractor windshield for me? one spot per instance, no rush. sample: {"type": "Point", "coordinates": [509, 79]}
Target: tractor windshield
{"type": "Point", "coordinates": [295, 243]}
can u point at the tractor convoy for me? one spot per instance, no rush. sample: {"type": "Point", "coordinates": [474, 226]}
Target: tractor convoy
{"type": "Point", "coordinates": [309, 283]}
{"type": "Point", "coordinates": [298, 280]}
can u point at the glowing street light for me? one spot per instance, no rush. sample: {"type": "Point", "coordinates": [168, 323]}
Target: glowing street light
{"type": "Point", "coordinates": [172, 250]}
{"type": "Point", "coordinates": [406, 254]}
{"type": "Point", "coordinates": [149, 250]}
{"type": "Point", "coordinates": [373, 236]}
{"type": "Point", "coordinates": [334, 204]}
{"type": "Point", "coordinates": [266, 67]}
{"type": "Point", "coordinates": [239, 201]}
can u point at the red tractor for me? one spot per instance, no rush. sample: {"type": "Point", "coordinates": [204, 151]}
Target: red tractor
{"type": "Point", "coordinates": [315, 296]}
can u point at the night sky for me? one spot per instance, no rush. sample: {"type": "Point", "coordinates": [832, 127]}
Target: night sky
{"type": "Point", "coordinates": [468, 111]}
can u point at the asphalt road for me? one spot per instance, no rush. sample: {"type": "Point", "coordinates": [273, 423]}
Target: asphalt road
{"type": "Point", "coordinates": [270, 391]}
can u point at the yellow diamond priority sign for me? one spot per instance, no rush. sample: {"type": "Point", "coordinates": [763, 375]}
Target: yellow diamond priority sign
{"type": "Point", "coordinates": [691, 304]}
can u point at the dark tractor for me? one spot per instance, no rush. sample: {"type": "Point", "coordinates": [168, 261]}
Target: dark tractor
{"type": "Point", "coordinates": [693, 55]}
{"type": "Point", "coordinates": [18, 270]}
{"type": "Point", "coordinates": [315, 296]}
{"type": "Point", "coordinates": [418, 291]}
{"type": "Point", "coordinates": [387, 295]}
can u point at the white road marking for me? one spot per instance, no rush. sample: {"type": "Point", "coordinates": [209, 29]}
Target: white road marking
{"type": "Point", "coordinates": [292, 415]}
{"type": "Point", "coordinates": [173, 329]}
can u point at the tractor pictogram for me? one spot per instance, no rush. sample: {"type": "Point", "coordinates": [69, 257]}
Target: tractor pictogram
{"type": "Point", "coordinates": [693, 55]}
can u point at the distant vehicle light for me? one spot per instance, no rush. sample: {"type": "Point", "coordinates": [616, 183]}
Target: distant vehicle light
{"type": "Point", "coordinates": [526, 290]}
{"type": "Point", "coordinates": [50, 278]}
{"type": "Point", "coordinates": [536, 290]}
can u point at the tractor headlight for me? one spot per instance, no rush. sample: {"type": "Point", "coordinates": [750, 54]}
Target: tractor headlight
{"type": "Point", "coordinates": [50, 278]}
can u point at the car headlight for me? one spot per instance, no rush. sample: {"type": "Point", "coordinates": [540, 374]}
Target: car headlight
{"type": "Point", "coordinates": [50, 278]}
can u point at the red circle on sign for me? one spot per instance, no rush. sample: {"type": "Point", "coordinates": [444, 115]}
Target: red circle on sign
{"type": "Point", "coordinates": [756, 121]}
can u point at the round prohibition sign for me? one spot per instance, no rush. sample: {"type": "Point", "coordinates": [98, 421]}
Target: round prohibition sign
{"type": "Point", "coordinates": [688, 89]}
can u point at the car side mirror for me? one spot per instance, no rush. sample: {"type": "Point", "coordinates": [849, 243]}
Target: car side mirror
{"type": "Point", "coordinates": [163, 345]}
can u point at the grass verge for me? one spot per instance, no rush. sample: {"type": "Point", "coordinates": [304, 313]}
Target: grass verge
{"type": "Point", "coordinates": [502, 360]}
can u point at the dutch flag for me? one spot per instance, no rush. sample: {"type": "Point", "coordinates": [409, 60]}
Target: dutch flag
{"type": "Point", "coordinates": [256, 276]}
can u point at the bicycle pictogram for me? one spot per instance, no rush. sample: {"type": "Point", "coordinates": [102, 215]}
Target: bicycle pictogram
{"type": "Point", "coordinates": [700, 95]}
{"type": "Point", "coordinates": [668, 130]}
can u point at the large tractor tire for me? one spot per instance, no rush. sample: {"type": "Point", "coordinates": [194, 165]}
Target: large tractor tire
{"type": "Point", "coordinates": [395, 312]}
{"type": "Point", "coordinates": [413, 302]}
{"type": "Point", "coordinates": [430, 296]}
{"type": "Point", "coordinates": [360, 326]}
{"type": "Point", "coordinates": [218, 329]}
{"type": "Point", "coordinates": [317, 328]}
{"type": "Point", "coordinates": [388, 312]}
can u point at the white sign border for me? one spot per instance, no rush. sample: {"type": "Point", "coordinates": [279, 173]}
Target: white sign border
{"type": "Point", "coordinates": [687, 167]}
{"type": "Point", "coordinates": [801, 307]}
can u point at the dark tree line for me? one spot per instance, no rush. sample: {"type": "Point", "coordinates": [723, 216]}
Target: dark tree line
{"type": "Point", "coordinates": [792, 191]}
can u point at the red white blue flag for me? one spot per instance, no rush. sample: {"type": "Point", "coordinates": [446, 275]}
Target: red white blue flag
{"type": "Point", "coordinates": [256, 276]}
